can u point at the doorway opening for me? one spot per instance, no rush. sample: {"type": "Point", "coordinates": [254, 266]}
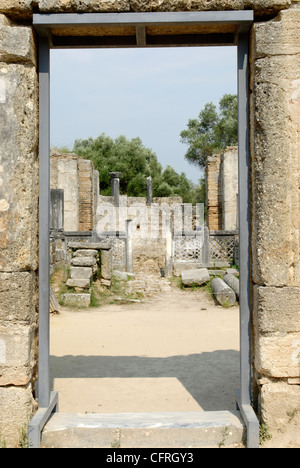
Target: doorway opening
{"type": "Point", "coordinates": [142, 30]}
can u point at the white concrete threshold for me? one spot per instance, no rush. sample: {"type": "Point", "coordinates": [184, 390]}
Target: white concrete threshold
{"type": "Point", "coordinates": [144, 430]}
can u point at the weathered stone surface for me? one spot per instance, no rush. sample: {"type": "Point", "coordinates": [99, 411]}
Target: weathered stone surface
{"type": "Point", "coordinates": [196, 277]}
{"type": "Point", "coordinates": [84, 261]}
{"type": "Point", "coordinates": [272, 38]}
{"type": "Point", "coordinates": [123, 275]}
{"type": "Point", "coordinates": [276, 309]}
{"type": "Point", "coordinates": [279, 401]}
{"type": "Point", "coordinates": [223, 293]}
{"type": "Point", "coordinates": [18, 297]}
{"type": "Point", "coordinates": [85, 253]}
{"type": "Point", "coordinates": [76, 300]}
{"type": "Point", "coordinates": [202, 5]}
{"type": "Point", "coordinates": [233, 282]}
{"type": "Point", "coordinates": [79, 283]}
{"type": "Point", "coordinates": [81, 273]}
{"type": "Point", "coordinates": [106, 264]}
{"type": "Point", "coordinates": [15, 411]}
{"type": "Point", "coordinates": [17, 353]}
{"type": "Point", "coordinates": [16, 42]}
{"type": "Point", "coordinates": [278, 355]}
{"type": "Point", "coordinates": [25, 8]}
{"type": "Point", "coordinates": [90, 245]}
{"type": "Point", "coordinates": [217, 272]}
{"type": "Point", "coordinates": [275, 143]}
{"type": "Point", "coordinates": [18, 168]}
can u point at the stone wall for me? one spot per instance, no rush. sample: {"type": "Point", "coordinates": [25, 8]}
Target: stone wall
{"type": "Point", "coordinates": [274, 211]}
{"type": "Point", "coordinates": [221, 176]}
{"type": "Point", "coordinates": [275, 214]}
{"type": "Point", "coordinates": [80, 183]}
{"type": "Point", "coordinates": [18, 226]}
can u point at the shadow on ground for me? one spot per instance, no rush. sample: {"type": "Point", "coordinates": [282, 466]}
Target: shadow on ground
{"type": "Point", "coordinates": [209, 376]}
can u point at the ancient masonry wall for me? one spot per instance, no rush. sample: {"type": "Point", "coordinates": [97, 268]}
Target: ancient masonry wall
{"type": "Point", "coordinates": [221, 177]}
{"type": "Point", "coordinates": [274, 211]}
{"type": "Point", "coordinates": [18, 227]}
{"type": "Point", "coordinates": [80, 182]}
{"type": "Point", "coordinates": [275, 214]}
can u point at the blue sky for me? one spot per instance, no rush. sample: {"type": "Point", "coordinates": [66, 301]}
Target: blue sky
{"type": "Point", "coordinates": [146, 93]}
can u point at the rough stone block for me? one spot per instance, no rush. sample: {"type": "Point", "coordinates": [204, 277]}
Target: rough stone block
{"type": "Point", "coordinates": [217, 272]}
{"type": "Point", "coordinates": [279, 401]}
{"type": "Point", "coordinates": [15, 411]}
{"type": "Point", "coordinates": [76, 300]}
{"type": "Point", "coordinates": [17, 344]}
{"type": "Point", "coordinates": [16, 42]}
{"type": "Point", "coordinates": [18, 297]}
{"type": "Point", "coordinates": [275, 127]}
{"type": "Point", "coordinates": [106, 264]}
{"type": "Point", "coordinates": [85, 253]}
{"type": "Point", "coordinates": [79, 283]}
{"type": "Point", "coordinates": [195, 277]}
{"type": "Point", "coordinates": [276, 309]}
{"type": "Point", "coordinates": [81, 273]}
{"type": "Point", "coordinates": [278, 355]}
{"type": "Point", "coordinates": [18, 168]}
{"type": "Point", "coordinates": [280, 36]}
{"type": "Point", "coordinates": [122, 275]}
{"type": "Point", "coordinates": [84, 261]}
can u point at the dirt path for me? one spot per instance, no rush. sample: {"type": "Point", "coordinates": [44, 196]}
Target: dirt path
{"type": "Point", "coordinates": [177, 351]}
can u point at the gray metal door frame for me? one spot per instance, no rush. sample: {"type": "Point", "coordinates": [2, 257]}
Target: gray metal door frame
{"type": "Point", "coordinates": [48, 401]}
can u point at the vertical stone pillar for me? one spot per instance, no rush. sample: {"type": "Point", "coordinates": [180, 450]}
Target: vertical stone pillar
{"type": "Point", "coordinates": [275, 214]}
{"type": "Point", "coordinates": [115, 186]}
{"type": "Point", "coordinates": [149, 191]}
{"type": "Point", "coordinates": [129, 248]}
{"type": "Point", "coordinates": [213, 192]}
{"type": "Point", "coordinates": [18, 226]}
{"type": "Point", "coordinates": [57, 210]}
{"type": "Point", "coordinates": [169, 245]}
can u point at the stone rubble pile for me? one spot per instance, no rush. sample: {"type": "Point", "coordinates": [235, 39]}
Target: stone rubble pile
{"type": "Point", "coordinates": [87, 260]}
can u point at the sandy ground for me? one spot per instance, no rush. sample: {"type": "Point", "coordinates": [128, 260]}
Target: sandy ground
{"type": "Point", "coordinates": [174, 352]}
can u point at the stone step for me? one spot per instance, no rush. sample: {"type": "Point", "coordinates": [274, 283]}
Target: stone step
{"type": "Point", "coordinates": [144, 430]}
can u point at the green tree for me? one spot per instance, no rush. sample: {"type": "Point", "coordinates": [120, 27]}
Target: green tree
{"type": "Point", "coordinates": [129, 157]}
{"type": "Point", "coordinates": [212, 131]}
{"type": "Point", "coordinates": [136, 163]}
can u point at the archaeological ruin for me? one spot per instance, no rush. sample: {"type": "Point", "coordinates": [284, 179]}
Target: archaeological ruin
{"type": "Point", "coordinates": [267, 36]}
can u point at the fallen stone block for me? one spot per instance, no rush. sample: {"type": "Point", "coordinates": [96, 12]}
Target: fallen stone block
{"type": "Point", "coordinates": [217, 272]}
{"type": "Point", "coordinates": [76, 300]}
{"type": "Point", "coordinates": [79, 283]}
{"type": "Point", "coordinates": [195, 277]}
{"type": "Point", "coordinates": [223, 293]}
{"type": "Point", "coordinates": [233, 282]}
{"type": "Point", "coordinates": [232, 271]}
{"type": "Point", "coordinates": [123, 275]}
{"type": "Point", "coordinates": [84, 261]}
{"type": "Point", "coordinates": [81, 273]}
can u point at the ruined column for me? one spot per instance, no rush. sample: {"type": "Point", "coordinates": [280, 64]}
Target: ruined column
{"type": "Point", "coordinates": [129, 249]}
{"type": "Point", "coordinates": [149, 191]}
{"type": "Point", "coordinates": [115, 186]}
{"type": "Point", "coordinates": [169, 245]}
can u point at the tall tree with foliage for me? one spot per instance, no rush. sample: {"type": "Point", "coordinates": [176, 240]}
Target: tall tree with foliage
{"type": "Point", "coordinates": [136, 163]}
{"type": "Point", "coordinates": [212, 131]}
